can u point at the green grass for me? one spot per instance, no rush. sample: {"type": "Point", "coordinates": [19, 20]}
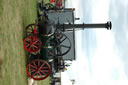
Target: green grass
{"type": "Point", "coordinates": [44, 82]}
{"type": "Point", "coordinates": [15, 15]}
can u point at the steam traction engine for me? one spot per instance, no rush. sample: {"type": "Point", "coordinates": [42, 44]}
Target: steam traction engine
{"type": "Point", "coordinates": [47, 42]}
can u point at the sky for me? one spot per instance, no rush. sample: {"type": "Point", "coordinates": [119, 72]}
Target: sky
{"type": "Point", "coordinates": [101, 54]}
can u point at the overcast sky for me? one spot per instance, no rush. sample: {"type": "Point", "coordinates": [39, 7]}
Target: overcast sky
{"type": "Point", "coordinates": [102, 57]}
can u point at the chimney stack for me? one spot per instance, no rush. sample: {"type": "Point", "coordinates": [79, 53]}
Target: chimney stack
{"type": "Point", "coordinates": [107, 25]}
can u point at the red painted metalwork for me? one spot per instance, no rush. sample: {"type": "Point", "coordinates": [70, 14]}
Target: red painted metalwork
{"type": "Point", "coordinates": [32, 44]}
{"type": "Point", "coordinates": [38, 69]}
{"type": "Point", "coordinates": [52, 1]}
{"type": "Point", "coordinates": [59, 3]}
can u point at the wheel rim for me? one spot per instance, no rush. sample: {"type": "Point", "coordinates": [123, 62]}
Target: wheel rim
{"type": "Point", "coordinates": [38, 69]}
{"type": "Point", "coordinates": [60, 48]}
{"type": "Point", "coordinates": [30, 29]}
{"type": "Point", "coordinates": [32, 44]}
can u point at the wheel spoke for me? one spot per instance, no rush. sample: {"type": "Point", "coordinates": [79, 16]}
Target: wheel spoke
{"type": "Point", "coordinates": [37, 76]}
{"type": "Point", "coordinates": [32, 66]}
{"type": "Point", "coordinates": [44, 68]}
{"type": "Point", "coordinates": [35, 65]}
{"type": "Point", "coordinates": [27, 45]}
{"type": "Point", "coordinates": [29, 29]}
{"type": "Point", "coordinates": [41, 66]}
{"type": "Point", "coordinates": [43, 72]}
{"type": "Point", "coordinates": [34, 46]}
{"type": "Point", "coordinates": [32, 27]}
{"type": "Point", "coordinates": [35, 42]}
{"type": "Point", "coordinates": [29, 32]}
{"type": "Point", "coordinates": [40, 74]}
{"type": "Point", "coordinates": [38, 63]}
{"type": "Point", "coordinates": [38, 43]}
{"type": "Point", "coordinates": [35, 73]}
{"type": "Point", "coordinates": [32, 70]}
{"type": "Point", "coordinates": [29, 48]}
{"type": "Point", "coordinates": [63, 40]}
{"type": "Point", "coordinates": [65, 46]}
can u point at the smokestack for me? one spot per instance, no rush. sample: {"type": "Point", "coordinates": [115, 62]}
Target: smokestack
{"type": "Point", "coordinates": [107, 25]}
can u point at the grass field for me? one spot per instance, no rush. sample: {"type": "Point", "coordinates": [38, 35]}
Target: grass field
{"type": "Point", "coordinates": [15, 15]}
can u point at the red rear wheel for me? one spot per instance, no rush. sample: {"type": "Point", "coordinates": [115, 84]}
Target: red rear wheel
{"type": "Point", "coordinates": [30, 29]}
{"type": "Point", "coordinates": [32, 44]}
{"type": "Point", "coordinates": [38, 69]}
